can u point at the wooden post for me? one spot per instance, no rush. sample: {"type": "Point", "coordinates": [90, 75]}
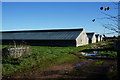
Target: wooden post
{"type": "Point", "coordinates": [118, 64]}
{"type": "Point", "coordinates": [118, 59]}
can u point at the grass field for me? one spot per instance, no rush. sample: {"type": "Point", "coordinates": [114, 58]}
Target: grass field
{"type": "Point", "coordinates": [42, 57]}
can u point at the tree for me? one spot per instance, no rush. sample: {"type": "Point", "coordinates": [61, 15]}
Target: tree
{"type": "Point", "coordinates": [115, 27]}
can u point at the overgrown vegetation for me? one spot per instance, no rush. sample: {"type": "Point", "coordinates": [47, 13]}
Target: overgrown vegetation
{"type": "Point", "coordinates": [42, 57]}
{"type": "Point", "coordinates": [109, 53]}
{"type": "Point", "coordinates": [97, 62]}
{"type": "Point", "coordinates": [92, 69]}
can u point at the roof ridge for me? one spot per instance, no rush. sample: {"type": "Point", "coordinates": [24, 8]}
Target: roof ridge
{"type": "Point", "coordinates": [90, 32]}
{"type": "Point", "coordinates": [50, 30]}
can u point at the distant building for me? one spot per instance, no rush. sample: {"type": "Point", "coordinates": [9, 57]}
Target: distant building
{"type": "Point", "coordinates": [91, 37]}
{"type": "Point", "coordinates": [98, 37]}
{"type": "Point", "coordinates": [59, 37]}
{"type": "Point", "coordinates": [101, 37]}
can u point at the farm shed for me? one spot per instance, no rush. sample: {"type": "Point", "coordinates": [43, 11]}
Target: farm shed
{"type": "Point", "coordinates": [91, 37]}
{"type": "Point", "coordinates": [98, 37]}
{"type": "Point", "coordinates": [101, 37]}
{"type": "Point", "coordinates": [59, 37]}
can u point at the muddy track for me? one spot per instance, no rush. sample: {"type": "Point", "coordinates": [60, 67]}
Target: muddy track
{"type": "Point", "coordinates": [48, 73]}
{"type": "Point", "coordinates": [61, 71]}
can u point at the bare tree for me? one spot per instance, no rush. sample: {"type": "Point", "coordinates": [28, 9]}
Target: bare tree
{"type": "Point", "coordinates": [112, 26]}
{"type": "Point", "coordinates": [115, 27]}
{"type": "Point", "coordinates": [115, 19]}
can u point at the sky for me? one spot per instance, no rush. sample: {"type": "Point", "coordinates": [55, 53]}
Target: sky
{"type": "Point", "coordinates": [55, 15]}
{"type": "Point", "coordinates": [60, 0]}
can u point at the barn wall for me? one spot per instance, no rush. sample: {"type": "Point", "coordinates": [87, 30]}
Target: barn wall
{"type": "Point", "coordinates": [101, 38]}
{"type": "Point", "coordinates": [41, 42]}
{"type": "Point", "coordinates": [82, 39]}
{"type": "Point", "coordinates": [94, 39]}
{"type": "Point", "coordinates": [98, 38]}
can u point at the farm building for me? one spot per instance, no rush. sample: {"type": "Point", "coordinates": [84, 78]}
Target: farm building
{"type": "Point", "coordinates": [98, 37]}
{"type": "Point", "coordinates": [59, 37]}
{"type": "Point", "coordinates": [101, 38]}
{"type": "Point", "coordinates": [91, 37]}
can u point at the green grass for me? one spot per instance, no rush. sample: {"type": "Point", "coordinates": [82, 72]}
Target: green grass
{"type": "Point", "coordinates": [110, 53]}
{"type": "Point", "coordinates": [97, 62]}
{"type": "Point", "coordinates": [41, 57]}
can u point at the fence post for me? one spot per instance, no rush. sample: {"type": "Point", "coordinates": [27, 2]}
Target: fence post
{"type": "Point", "coordinates": [118, 59]}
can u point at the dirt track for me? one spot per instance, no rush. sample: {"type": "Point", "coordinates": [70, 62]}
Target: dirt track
{"type": "Point", "coordinates": [65, 71]}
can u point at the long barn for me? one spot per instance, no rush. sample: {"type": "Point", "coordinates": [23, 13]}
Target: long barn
{"type": "Point", "coordinates": [98, 37]}
{"type": "Point", "coordinates": [58, 37]}
{"type": "Point", "coordinates": [91, 37]}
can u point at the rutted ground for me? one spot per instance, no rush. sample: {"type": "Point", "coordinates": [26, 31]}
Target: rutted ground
{"type": "Point", "coordinates": [50, 72]}
{"type": "Point", "coordinates": [73, 69]}
{"type": "Point", "coordinates": [92, 69]}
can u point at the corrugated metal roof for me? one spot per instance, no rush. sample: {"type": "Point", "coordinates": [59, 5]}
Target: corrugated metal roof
{"type": "Point", "coordinates": [51, 30]}
{"type": "Point", "coordinates": [97, 35]}
{"type": "Point", "coordinates": [90, 35]}
{"type": "Point", "coordinates": [66, 34]}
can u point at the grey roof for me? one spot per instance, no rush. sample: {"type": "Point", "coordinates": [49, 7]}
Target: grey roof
{"type": "Point", "coordinates": [90, 35]}
{"type": "Point", "coordinates": [61, 34]}
{"type": "Point", "coordinates": [97, 35]}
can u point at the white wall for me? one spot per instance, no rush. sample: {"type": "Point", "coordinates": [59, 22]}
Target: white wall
{"type": "Point", "coordinates": [98, 38]}
{"type": "Point", "coordinates": [94, 39]}
{"type": "Point", "coordinates": [82, 39]}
